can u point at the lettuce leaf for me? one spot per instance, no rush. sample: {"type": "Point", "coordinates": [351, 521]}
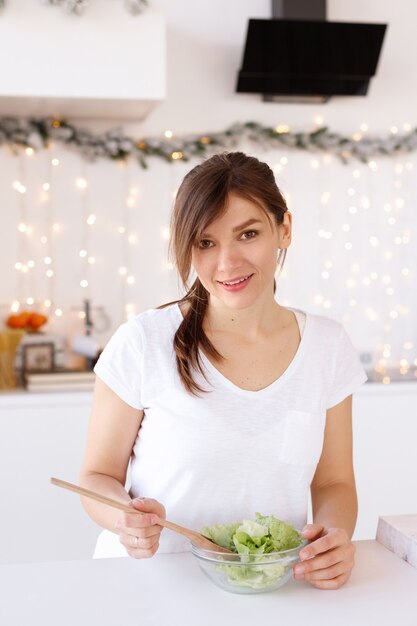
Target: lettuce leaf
{"type": "Point", "coordinates": [254, 540]}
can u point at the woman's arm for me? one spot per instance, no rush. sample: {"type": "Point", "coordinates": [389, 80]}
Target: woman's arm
{"type": "Point", "coordinates": [329, 559]}
{"type": "Point", "coordinates": [112, 432]}
{"type": "Point", "coordinates": [333, 490]}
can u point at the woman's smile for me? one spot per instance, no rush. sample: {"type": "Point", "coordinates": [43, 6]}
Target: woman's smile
{"type": "Point", "coordinates": [236, 284]}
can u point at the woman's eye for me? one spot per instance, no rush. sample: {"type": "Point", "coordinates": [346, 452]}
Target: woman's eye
{"type": "Point", "coordinates": [249, 234]}
{"type": "Point", "coordinates": [204, 244]}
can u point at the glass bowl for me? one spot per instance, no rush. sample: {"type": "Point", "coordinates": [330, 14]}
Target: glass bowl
{"type": "Point", "coordinates": [241, 573]}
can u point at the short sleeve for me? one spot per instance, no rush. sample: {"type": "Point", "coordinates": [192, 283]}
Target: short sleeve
{"type": "Point", "coordinates": [120, 363]}
{"type": "Point", "coordinates": [348, 371]}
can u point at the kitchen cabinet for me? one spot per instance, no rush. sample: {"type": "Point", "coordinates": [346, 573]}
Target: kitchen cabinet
{"type": "Point", "coordinates": [43, 435]}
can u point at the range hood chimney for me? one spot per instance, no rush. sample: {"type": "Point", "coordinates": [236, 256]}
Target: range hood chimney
{"type": "Point", "coordinates": [298, 56]}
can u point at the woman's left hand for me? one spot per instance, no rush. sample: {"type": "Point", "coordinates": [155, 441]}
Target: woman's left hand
{"type": "Point", "coordinates": [326, 562]}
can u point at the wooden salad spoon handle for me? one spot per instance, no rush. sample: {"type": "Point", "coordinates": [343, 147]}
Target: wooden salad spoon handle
{"type": "Point", "coordinates": [196, 538]}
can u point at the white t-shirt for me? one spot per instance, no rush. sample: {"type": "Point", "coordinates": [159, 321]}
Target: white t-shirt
{"type": "Point", "coordinates": [224, 456]}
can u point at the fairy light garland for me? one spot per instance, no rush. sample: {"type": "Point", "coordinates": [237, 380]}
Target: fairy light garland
{"type": "Point", "coordinates": [36, 133]}
{"type": "Point", "coordinates": [387, 239]}
{"type": "Point", "coordinates": [128, 241]}
{"type": "Point", "coordinates": [87, 220]}
{"type": "Point", "coordinates": [46, 239]}
{"type": "Point", "coordinates": [24, 264]}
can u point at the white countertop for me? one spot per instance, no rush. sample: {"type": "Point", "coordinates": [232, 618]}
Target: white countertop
{"type": "Point", "coordinates": [170, 590]}
{"type": "Point", "coordinates": [21, 398]}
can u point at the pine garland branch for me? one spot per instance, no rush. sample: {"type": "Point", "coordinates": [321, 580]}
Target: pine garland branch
{"type": "Point", "coordinates": [38, 133]}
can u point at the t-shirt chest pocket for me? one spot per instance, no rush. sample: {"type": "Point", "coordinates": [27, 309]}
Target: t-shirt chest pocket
{"type": "Point", "coordinates": [302, 438]}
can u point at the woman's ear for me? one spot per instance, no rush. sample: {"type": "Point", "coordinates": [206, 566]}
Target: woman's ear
{"type": "Point", "coordinates": [285, 231]}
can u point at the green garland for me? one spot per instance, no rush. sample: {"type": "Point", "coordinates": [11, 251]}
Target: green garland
{"type": "Point", "coordinates": [114, 144]}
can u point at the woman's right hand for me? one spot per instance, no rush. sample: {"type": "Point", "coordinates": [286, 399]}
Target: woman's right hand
{"type": "Point", "coordinates": [140, 533]}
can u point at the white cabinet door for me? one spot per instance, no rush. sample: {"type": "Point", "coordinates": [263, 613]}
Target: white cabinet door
{"type": "Point", "coordinates": [385, 453]}
{"type": "Point", "coordinates": [43, 435]}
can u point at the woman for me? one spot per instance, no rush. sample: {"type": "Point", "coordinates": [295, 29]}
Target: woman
{"type": "Point", "coordinates": [227, 403]}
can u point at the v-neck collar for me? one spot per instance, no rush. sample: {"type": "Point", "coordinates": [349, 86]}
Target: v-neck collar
{"type": "Point", "coordinates": [278, 382]}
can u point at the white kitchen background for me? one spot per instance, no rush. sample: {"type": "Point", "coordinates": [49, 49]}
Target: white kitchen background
{"type": "Point", "coordinates": [73, 229]}
{"type": "Point", "coordinates": [102, 227]}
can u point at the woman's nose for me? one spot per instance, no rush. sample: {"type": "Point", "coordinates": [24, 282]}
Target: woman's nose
{"type": "Point", "coordinates": [228, 259]}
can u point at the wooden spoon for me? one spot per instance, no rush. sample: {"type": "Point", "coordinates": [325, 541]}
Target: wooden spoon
{"type": "Point", "coordinates": [192, 535]}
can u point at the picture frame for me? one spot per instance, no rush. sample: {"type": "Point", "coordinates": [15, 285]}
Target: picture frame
{"type": "Point", "coordinates": [38, 357]}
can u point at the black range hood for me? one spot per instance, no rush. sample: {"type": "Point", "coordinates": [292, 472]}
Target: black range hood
{"type": "Point", "coordinates": [308, 60]}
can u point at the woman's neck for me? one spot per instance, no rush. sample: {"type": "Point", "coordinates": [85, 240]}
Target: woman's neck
{"type": "Point", "coordinates": [255, 322]}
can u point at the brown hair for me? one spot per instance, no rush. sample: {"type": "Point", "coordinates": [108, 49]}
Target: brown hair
{"type": "Point", "coordinates": [201, 199]}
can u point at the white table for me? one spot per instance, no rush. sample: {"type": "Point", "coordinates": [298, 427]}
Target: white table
{"type": "Point", "coordinates": [170, 590]}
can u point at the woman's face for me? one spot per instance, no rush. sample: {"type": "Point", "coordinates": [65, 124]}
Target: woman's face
{"type": "Point", "coordinates": [236, 257]}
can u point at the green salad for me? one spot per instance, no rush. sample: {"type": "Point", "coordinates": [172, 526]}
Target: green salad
{"type": "Point", "coordinates": [254, 541]}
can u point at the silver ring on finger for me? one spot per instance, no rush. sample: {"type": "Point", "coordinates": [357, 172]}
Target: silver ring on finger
{"type": "Point", "coordinates": [135, 541]}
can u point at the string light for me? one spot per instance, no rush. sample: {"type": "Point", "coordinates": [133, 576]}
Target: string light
{"type": "Point", "coordinates": [18, 186]}
{"type": "Point", "coordinates": [365, 233]}
{"type": "Point", "coordinates": [282, 129]}
{"type": "Point", "coordinates": [81, 183]}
